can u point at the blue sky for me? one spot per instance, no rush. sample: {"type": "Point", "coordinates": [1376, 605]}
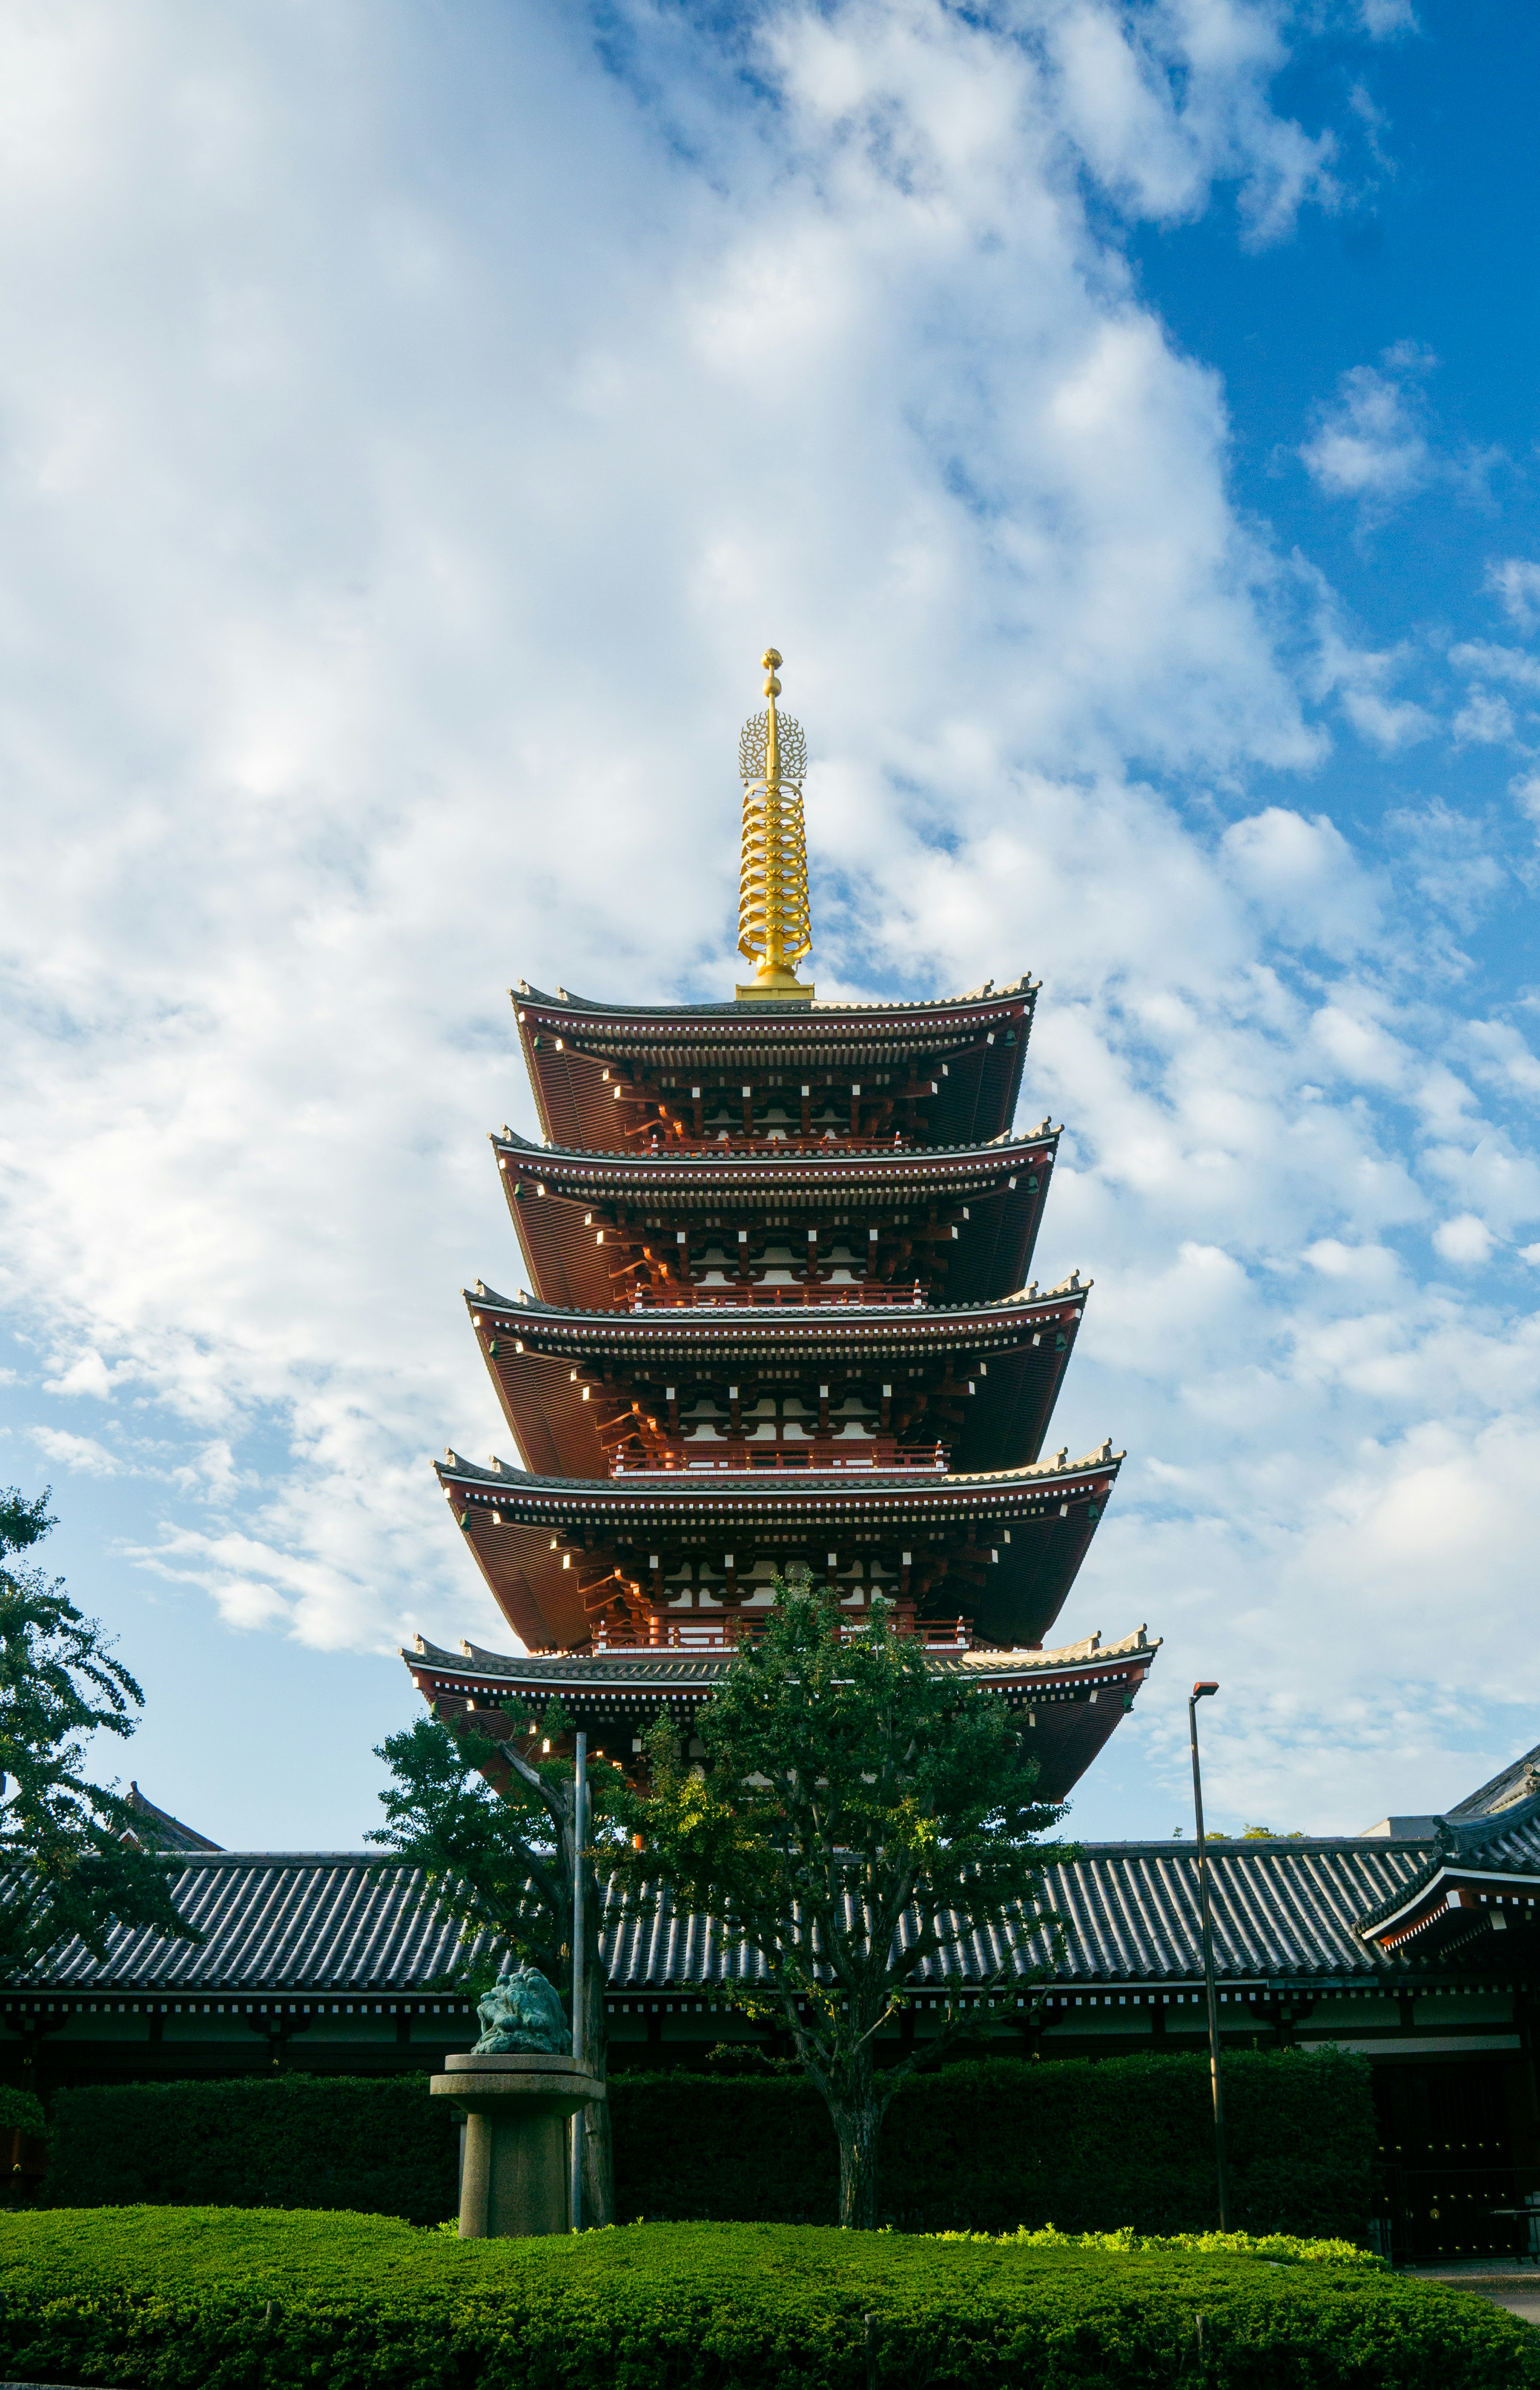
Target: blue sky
{"type": "Point", "coordinates": [412, 426]}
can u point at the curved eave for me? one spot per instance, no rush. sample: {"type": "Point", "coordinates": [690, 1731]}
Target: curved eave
{"type": "Point", "coordinates": [532, 1351]}
{"type": "Point", "coordinates": [1073, 1700]}
{"type": "Point", "coordinates": [1451, 1904]}
{"type": "Point", "coordinates": [1036, 1523]}
{"type": "Point", "coordinates": [1002, 1186]}
{"type": "Point", "coordinates": [569, 1043]}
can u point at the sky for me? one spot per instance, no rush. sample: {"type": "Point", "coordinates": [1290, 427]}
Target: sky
{"type": "Point", "coordinates": [414, 423]}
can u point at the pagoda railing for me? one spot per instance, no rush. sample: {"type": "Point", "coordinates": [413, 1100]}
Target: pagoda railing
{"type": "Point", "coordinates": [726, 1631]}
{"type": "Point", "coordinates": [780, 1142]}
{"type": "Point", "coordinates": [743, 1453]}
{"type": "Point", "coordinates": [818, 1290]}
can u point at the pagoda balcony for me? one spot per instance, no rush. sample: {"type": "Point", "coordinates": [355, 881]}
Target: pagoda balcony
{"type": "Point", "coordinates": [730, 1629]}
{"type": "Point", "coordinates": [776, 1294]}
{"type": "Point", "coordinates": [649, 1140]}
{"type": "Point", "coordinates": [740, 1453]}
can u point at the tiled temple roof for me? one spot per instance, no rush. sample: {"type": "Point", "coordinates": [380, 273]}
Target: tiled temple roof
{"type": "Point", "coordinates": [782, 1163]}
{"type": "Point", "coordinates": [678, 1486]}
{"type": "Point", "coordinates": [1285, 1913]}
{"type": "Point", "coordinates": [794, 1009]}
{"type": "Point", "coordinates": [668, 1670]}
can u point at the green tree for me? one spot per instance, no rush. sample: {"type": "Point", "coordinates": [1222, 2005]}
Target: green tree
{"type": "Point", "coordinates": [66, 1867]}
{"type": "Point", "coordinates": [493, 1827]}
{"type": "Point", "coordinates": [854, 1803]}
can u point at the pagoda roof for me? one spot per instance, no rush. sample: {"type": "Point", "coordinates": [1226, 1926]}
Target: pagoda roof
{"type": "Point", "coordinates": [568, 1040]}
{"type": "Point", "coordinates": [1041, 1516]}
{"type": "Point", "coordinates": [1074, 1697]}
{"type": "Point", "coordinates": [1023, 1342]}
{"type": "Point", "coordinates": [1001, 1186]}
{"type": "Point", "coordinates": [985, 1002]}
{"type": "Point", "coordinates": [991, 1666]}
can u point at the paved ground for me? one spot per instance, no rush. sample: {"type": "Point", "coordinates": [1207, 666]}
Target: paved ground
{"type": "Point", "coordinates": [1512, 2286]}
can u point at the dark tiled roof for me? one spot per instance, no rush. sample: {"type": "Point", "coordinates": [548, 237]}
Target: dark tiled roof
{"type": "Point", "coordinates": [1285, 1912]}
{"type": "Point", "coordinates": [632, 1671]}
{"type": "Point", "coordinates": [159, 1830]}
{"type": "Point", "coordinates": [829, 1320]}
{"type": "Point", "coordinates": [785, 1161]}
{"type": "Point", "coordinates": [678, 1485]}
{"type": "Point", "coordinates": [300, 1920]}
{"type": "Point", "coordinates": [759, 1007]}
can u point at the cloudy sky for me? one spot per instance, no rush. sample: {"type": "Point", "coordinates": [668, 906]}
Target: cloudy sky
{"type": "Point", "coordinates": [415, 421]}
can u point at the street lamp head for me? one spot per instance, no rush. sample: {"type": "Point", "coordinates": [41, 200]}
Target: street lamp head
{"type": "Point", "coordinates": [1199, 1691]}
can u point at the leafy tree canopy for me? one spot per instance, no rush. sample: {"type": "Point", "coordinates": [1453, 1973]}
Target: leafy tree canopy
{"type": "Point", "coordinates": [65, 1866]}
{"type": "Point", "coordinates": [856, 1809]}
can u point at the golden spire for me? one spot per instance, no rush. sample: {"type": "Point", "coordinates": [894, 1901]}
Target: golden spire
{"type": "Point", "coordinates": [774, 927]}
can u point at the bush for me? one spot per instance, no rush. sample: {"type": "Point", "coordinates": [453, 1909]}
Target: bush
{"type": "Point", "coordinates": [378, 2144]}
{"type": "Point", "coordinates": [203, 2299]}
{"type": "Point", "coordinates": [983, 2146]}
{"type": "Point", "coordinates": [22, 2111]}
{"type": "Point", "coordinates": [1004, 2142]}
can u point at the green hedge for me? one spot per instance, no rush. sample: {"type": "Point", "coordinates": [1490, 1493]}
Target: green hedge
{"type": "Point", "coordinates": [203, 2299]}
{"type": "Point", "coordinates": [22, 2112]}
{"type": "Point", "coordinates": [378, 2144]}
{"type": "Point", "coordinates": [984, 2146]}
{"type": "Point", "coordinates": [1004, 2142]}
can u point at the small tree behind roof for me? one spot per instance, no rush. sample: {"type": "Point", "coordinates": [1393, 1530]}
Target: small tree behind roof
{"type": "Point", "coordinates": [856, 1814]}
{"type": "Point", "coordinates": [71, 1861]}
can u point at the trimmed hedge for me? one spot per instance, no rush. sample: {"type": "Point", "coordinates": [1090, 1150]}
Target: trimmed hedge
{"type": "Point", "coordinates": [203, 2299]}
{"type": "Point", "coordinates": [379, 2145]}
{"type": "Point", "coordinates": [983, 2146]}
{"type": "Point", "coordinates": [22, 2111]}
{"type": "Point", "coordinates": [1003, 2141]}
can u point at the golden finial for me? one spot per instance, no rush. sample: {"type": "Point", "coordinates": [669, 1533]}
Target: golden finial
{"type": "Point", "coordinates": [774, 927]}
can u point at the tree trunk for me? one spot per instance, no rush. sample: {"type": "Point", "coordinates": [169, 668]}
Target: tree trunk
{"type": "Point", "coordinates": [858, 2127]}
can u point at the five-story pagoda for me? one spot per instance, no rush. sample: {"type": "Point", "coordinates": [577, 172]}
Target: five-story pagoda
{"type": "Point", "coordinates": [777, 1327]}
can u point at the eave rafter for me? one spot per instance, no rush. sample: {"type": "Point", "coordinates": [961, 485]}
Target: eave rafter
{"type": "Point", "coordinates": [677, 1386]}
{"type": "Point", "coordinates": [936, 1074]}
{"type": "Point", "coordinates": [602, 1231]}
{"type": "Point", "coordinates": [994, 1553]}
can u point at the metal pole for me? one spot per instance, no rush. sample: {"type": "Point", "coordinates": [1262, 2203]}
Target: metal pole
{"type": "Point", "coordinates": [580, 1800]}
{"type": "Point", "coordinates": [1199, 1693]}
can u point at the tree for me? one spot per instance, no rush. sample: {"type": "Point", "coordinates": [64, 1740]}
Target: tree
{"type": "Point", "coordinates": [853, 1807]}
{"type": "Point", "coordinates": [494, 1831]}
{"type": "Point", "coordinates": [66, 1867]}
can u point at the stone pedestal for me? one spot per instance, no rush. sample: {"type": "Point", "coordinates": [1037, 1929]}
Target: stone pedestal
{"type": "Point", "coordinates": [514, 2180]}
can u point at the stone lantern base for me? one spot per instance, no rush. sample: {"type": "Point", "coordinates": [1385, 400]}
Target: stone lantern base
{"type": "Point", "coordinates": [515, 2176]}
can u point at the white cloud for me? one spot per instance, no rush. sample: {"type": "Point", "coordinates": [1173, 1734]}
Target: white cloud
{"type": "Point", "coordinates": [1465, 1239]}
{"type": "Point", "coordinates": [1516, 582]}
{"type": "Point", "coordinates": [86, 1374]}
{"type": "Point", "coordinates": [412, 443]}
{"type": "Point", "coordinates": [1383, 19]}
{"type": "Point", "coordinates": [81, 1454]}
{"type": "Point", "coordinates": [1497, 664]}
{"type": "Point", "coordinates": [1369, 442]}
{"type": "Point", "coordinates": [1485, 720]}
{"type": "Point", "coordinates": [1305, 877]}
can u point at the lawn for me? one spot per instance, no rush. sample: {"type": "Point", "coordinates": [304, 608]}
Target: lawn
{"type": "Point", "coordinates": [221, 2298]}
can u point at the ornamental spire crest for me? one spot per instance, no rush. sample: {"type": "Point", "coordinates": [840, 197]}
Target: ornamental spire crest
{"type": "Point", "coordinates": [775, 929]}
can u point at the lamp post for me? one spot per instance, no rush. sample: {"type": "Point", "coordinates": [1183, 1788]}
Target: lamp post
{"type": "Point", "coordinates": [1200, 1692]}
{"type": "Point", "coordinates": [580, 1802]}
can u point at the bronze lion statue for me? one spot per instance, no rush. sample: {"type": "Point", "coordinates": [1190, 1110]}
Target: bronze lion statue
{"type": "Point", "coordinates": [521, 2011]}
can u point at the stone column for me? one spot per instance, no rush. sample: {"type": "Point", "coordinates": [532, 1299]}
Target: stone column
{"type": "Point", "coordinates": [514, 2180]}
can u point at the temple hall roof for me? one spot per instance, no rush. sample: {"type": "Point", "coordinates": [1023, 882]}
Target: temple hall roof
{"type": "Point", "coordinates": [1286, 1915]}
